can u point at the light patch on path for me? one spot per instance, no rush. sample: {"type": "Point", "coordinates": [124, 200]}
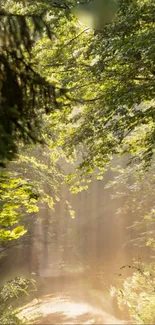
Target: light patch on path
{"type": "Point", "coordinates": [62, 309]}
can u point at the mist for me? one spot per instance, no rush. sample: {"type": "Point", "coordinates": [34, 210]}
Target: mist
{"type": "Point", "coordinates": [81, 254]}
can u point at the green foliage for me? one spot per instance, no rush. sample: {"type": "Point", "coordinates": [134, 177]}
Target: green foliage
{"type": "Point", "coordinates": [25, 94]}
{"type": "Point", "coordinates": [12, 291]}
{"type": "Point", "coordinates": [118, 102]}
{"type": "Point", "coordinates": [41, 166]}
{"type": "Point", "coordinates": [137, 293]}
{"type": "Point", "coordinates": [17, 197]}
{"type": "Point", "coordinates": [90, 74]}
{"type": "Point", "coordinates": [95, 75]}
{"type": "Point", "coordinates": [83, 94]}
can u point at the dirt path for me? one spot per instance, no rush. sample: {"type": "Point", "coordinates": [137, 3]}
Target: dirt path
{"type": "Point", "coordinates": [66, 308]}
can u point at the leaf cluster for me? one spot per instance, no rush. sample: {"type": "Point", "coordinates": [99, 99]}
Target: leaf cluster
{"type": "Point", "coordinates": [119, 104]}
{"type": "Point", "coordinates": [11, 291]}
{"type": "Point", "coordinates": [17, 197]}
{"type": "Point", "coordinates": [137, 293]}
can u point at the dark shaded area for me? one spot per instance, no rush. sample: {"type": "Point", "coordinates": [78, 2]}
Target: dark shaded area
{"type": "Point", "coordinates": [60, 318]}
{"type": "Point", "coordinates": [25, 95]}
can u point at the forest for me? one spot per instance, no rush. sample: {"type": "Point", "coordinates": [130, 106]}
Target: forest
{"type": "Point", "coordinates": [77, 158]}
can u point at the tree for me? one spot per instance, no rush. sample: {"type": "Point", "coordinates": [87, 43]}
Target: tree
{"type": "Point", "coordinates": [113, 68]}
{"type": "Point", "coordinates": [134, 191]}
{"type": "Point", "coordinates": [25, 94]}
{"type": "Point", "coordinates": [120, 101]}
{"type": "Point", "coordinates": [27, 98]}
{"type": "Point", "coordinates": [28, 183]}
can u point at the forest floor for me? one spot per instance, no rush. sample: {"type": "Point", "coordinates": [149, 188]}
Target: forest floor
{"type": "Point", "coordinates": [71, 307]}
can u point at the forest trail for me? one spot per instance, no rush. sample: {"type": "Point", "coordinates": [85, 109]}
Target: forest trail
{"type": "Point", "coordinates": [67, 308]}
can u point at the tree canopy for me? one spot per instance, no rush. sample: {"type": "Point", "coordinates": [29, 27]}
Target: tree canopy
{"type": "Point", "coordinates": [116, 63]}
{"type": "Point", "coordinates": [25, 94]}
{"type": "Point", "coordinates": [95, 88]}
{"type": "Point", "coordinates": [83, 93]}
{"type": "Point", "coordinates": [118, 113]}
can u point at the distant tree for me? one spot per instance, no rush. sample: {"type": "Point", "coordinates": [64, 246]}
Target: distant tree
{"type": "Point", "coordinates": [136, 191]}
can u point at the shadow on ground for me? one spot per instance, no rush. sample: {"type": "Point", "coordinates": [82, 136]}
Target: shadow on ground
{"type": "Point", "coordinates": [64, 308]}
{"type": "Point", "coordinates": [60, 318]}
